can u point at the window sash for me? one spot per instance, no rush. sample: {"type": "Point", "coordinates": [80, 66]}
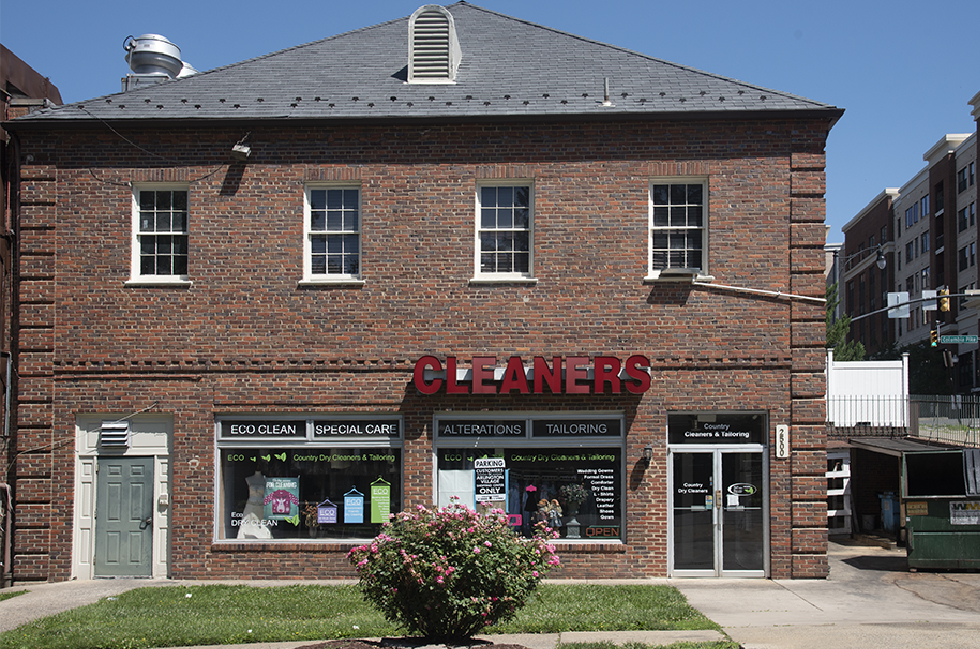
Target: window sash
{"type": "Point", "coordinates": [333, 233]}
{"type": "Point", "coordinates": [505, 230]}
{"type": "Point", "coordinates": [678, 224]}
{"type": "Point", "coordinates": [161, 233]}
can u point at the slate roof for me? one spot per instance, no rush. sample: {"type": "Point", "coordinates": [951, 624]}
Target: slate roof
{"type": "Point", "coordinates": [510, 69]}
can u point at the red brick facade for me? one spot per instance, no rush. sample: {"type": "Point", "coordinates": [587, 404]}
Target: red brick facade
{"type": "Point", "coordinates": [246, 338]}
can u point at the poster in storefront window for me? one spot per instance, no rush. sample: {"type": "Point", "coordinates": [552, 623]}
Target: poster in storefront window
{"type": "Point", "coordinates": [314, 480]}
{"type": "Point", "coordinates": [281, 499]}
{"type": "Point", "coordinates": [576, 491]}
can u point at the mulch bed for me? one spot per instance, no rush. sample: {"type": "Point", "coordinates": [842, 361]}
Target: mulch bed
{"type": "Point", "coordinates": [405, 643]}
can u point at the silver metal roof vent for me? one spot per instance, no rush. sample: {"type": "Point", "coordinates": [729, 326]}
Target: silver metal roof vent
{"type": "Point", "coordinates": [152, 59]}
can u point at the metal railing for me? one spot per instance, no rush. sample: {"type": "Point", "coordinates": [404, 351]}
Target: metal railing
{"type": "Point", "coordinates": [944, 419]}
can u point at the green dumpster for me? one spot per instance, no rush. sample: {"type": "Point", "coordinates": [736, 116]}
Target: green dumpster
{"type": "Point", "coordinates": [942, 508]}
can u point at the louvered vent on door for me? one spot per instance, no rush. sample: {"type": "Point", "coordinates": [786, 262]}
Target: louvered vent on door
{"type": "Point", "coordinates": [114, 434]}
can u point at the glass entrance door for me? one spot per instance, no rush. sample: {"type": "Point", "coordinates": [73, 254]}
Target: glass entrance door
{"type": "Point", "coordinates": [718, 516]}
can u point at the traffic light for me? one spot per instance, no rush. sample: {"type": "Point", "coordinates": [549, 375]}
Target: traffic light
{"type": "Point", "coordinates": [934, 337]}
{"type": "Point", "coordinates": [944, 299]}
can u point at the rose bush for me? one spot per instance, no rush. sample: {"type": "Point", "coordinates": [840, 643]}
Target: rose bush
{"type": "Point", "coordinates": [451, 572]}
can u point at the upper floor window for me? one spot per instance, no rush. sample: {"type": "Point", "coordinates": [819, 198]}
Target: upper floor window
{"type": "Point", "coordinates": [332, 249]}
{"type": "Point", "coordinates": [678, 226]}
{"type": "Point", "coordinates": [961, 180]}
{"type": "Point", "coordinates": [160, 233]}
{"type": "Point", "coordinates": [924, 205]}
{"type": "Point", "coordinates": [505, 231]}
{"type": "Point", "coordinates": [924, 246]}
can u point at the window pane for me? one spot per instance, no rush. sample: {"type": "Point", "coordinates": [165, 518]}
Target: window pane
{"type": "Point", "coordinates": [147, 265]}
{"type": "Point", "coordinates": [522, 197]}
{"type": "Point", "coordinates": [163, 222]}
{"type": "Point", "coordinates": [163, 245]}
{"type": "Point", "coordinates": [488, 218]}
{"type": "Point", "coordinates": [180, 222]}
{"type": "Point", "coordinates": [350, 220]}
{"type": "Point", "coordinates": [180, 201]}
{"type": "Point", "coordinates": [335, 244]}
{"type": "Point", "coordinates": [660, 216]}
{"type": "Point", "coordinates": [488, 196]}
{"type": "Point", "coordinates": [147, 246]}
{"type": "Point", "coordinates": [352, 266]}
{"type": "Point", "coordinates": [678, 216]}
{"type": "Point", "coordinates": [660, 194]}
{"type": "Point", "coordinates": [350, 244]}
{"type": "Point", "coordinates": [505, 218]}
{"type": "Point", "coordinates": [521, 262]}
{"type": "Point", "coordinates": [505, 196]}
{"type": "Point", "coordinates": [146, 200]}
{"type": "Point", "coordinates": [180, 265]}
{"type": "Point", "coordinates": [678, 194]}
{"type": "Point", "coordinates": [488, 242]}
{"type": "Point", "coordinates": [505, 241]}
{"type": "Point", "coordinates": [180, 245]}
{"type": "Point", "coordinates": [694, 216]}
{"type": "Point", "coordinates": [694, 194]}
{"type": "Point", "coordinates": [522, 218]}
{"type": "Point", "coordinates": [335, 199]}
{"type": "Point", "coordinates": [335, 220]}
{"type": "Point", "coordinates": [487, 263]}
{"type": "Point", "coordinates": [660, 240]}
{"type": "Point", "coordinates": [350, 199]}
{"type": "Point", "coordinates": [318, 220]}
{"type": "Point", "coordinates": [678, 260]}
{"type": "Point", "coordinates": [163, 265]}
{"type": "Point", "coordinates": [335, 264]}
{"type": "Point", "coordinates": [318, 199]}
{"type": "Point", "coordinates": [146, 222]}
{"type": "Point", "coordinates": [318, 244]}
{"type": "Point", "coordinates": [163, 200]}
{"type": "Point", "coordinates": [522, 241]}
{"type": "Point", "coordinates": [318, 265]}
{"type": "Point", "coordinates": [659, 259]}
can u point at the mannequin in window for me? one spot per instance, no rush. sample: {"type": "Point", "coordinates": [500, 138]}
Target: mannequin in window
{"type": "Point", "coordinates": [253, 526]}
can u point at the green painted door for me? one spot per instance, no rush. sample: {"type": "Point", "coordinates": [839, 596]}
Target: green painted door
{"type": "Point", "coordinates": [124, 517]}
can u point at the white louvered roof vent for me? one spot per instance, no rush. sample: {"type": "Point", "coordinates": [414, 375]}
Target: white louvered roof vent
{"type": "Point", "coordinates": [433, 49]}
{"type": "Point", "coordinates": [114, 434]}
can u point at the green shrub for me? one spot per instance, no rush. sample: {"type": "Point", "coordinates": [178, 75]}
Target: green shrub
{"type": "Point", "coordinates": [451, 572]}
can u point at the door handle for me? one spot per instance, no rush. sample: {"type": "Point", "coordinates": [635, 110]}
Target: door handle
{"type": "Point", "coordinates": [718, 499]}
{"type": "Point", "coordinates": [146, 522]}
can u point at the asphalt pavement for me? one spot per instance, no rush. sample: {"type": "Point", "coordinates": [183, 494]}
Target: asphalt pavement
{"type": "Point", "coordinates": [870, 600]}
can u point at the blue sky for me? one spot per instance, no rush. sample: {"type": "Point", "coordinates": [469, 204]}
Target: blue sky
{"type": "Point", "coordinates": [903, 70]}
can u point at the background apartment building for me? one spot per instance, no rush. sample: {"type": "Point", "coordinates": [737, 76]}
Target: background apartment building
{"type": "Point", "coordinates": [926, 232]}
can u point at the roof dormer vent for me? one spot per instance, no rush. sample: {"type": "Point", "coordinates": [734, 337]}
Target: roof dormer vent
{"type": "Point", "coordinates": [433, 49]}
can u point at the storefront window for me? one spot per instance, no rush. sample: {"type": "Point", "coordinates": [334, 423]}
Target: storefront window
{"type": "Point", "coordinates": [307, 478]}
{"type": "Point", "coordinates": [563, 472]}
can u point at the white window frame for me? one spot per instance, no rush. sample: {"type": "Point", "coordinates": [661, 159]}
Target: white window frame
{"type": "Point", "coordinates": [657, 273]}
{"type": "Point", "coordinates": [311, 278]}
{"type": "Point", "coordinates": [504, 277]}
{"type": "Point", "coordinates": [137, 278]}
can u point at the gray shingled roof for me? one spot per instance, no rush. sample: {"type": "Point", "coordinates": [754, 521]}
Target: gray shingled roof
{"type": "Point", "coordinates": [510, 68]}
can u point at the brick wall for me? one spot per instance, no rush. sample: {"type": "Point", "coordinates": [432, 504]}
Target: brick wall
{"type": "Point", "coordinates": [246, 338]}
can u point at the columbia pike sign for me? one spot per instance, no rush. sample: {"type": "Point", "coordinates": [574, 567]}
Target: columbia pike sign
{"type": "Point", "coordinates": [576, 375]}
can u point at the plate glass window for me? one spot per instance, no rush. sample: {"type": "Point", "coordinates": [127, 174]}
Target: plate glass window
{"type": "Point", "coordinates": [678, 222]}
{"type": "Point", "coordinates": [333, 232]}
{"type": "Point", "coordinates": [162, 233]}
{"type": "Point", "coordinates": [504, 230]}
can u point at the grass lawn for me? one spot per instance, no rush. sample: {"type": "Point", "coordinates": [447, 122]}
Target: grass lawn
{"type": "Point", "coordinates": [172, 616]}
{"type": "Point", "coordinates": [10, 594]}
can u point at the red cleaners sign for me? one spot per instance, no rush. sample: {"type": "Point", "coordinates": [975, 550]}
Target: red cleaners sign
{"type": "Point", "coordinates": [576, 376]}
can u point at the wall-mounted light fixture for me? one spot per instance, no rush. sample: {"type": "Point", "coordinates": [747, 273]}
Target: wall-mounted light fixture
{"type": "Point", "coordinates": [648, 453]}
{"type": "Point", "coordinates": [241, 152]}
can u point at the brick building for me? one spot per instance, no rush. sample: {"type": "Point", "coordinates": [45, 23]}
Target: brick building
{"type": "Point", "coordinates": [21, 90]}
{"type": "Point", "coordinates": [455, 254]}
{"type": "Point", "coordinates": [928, 232]}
